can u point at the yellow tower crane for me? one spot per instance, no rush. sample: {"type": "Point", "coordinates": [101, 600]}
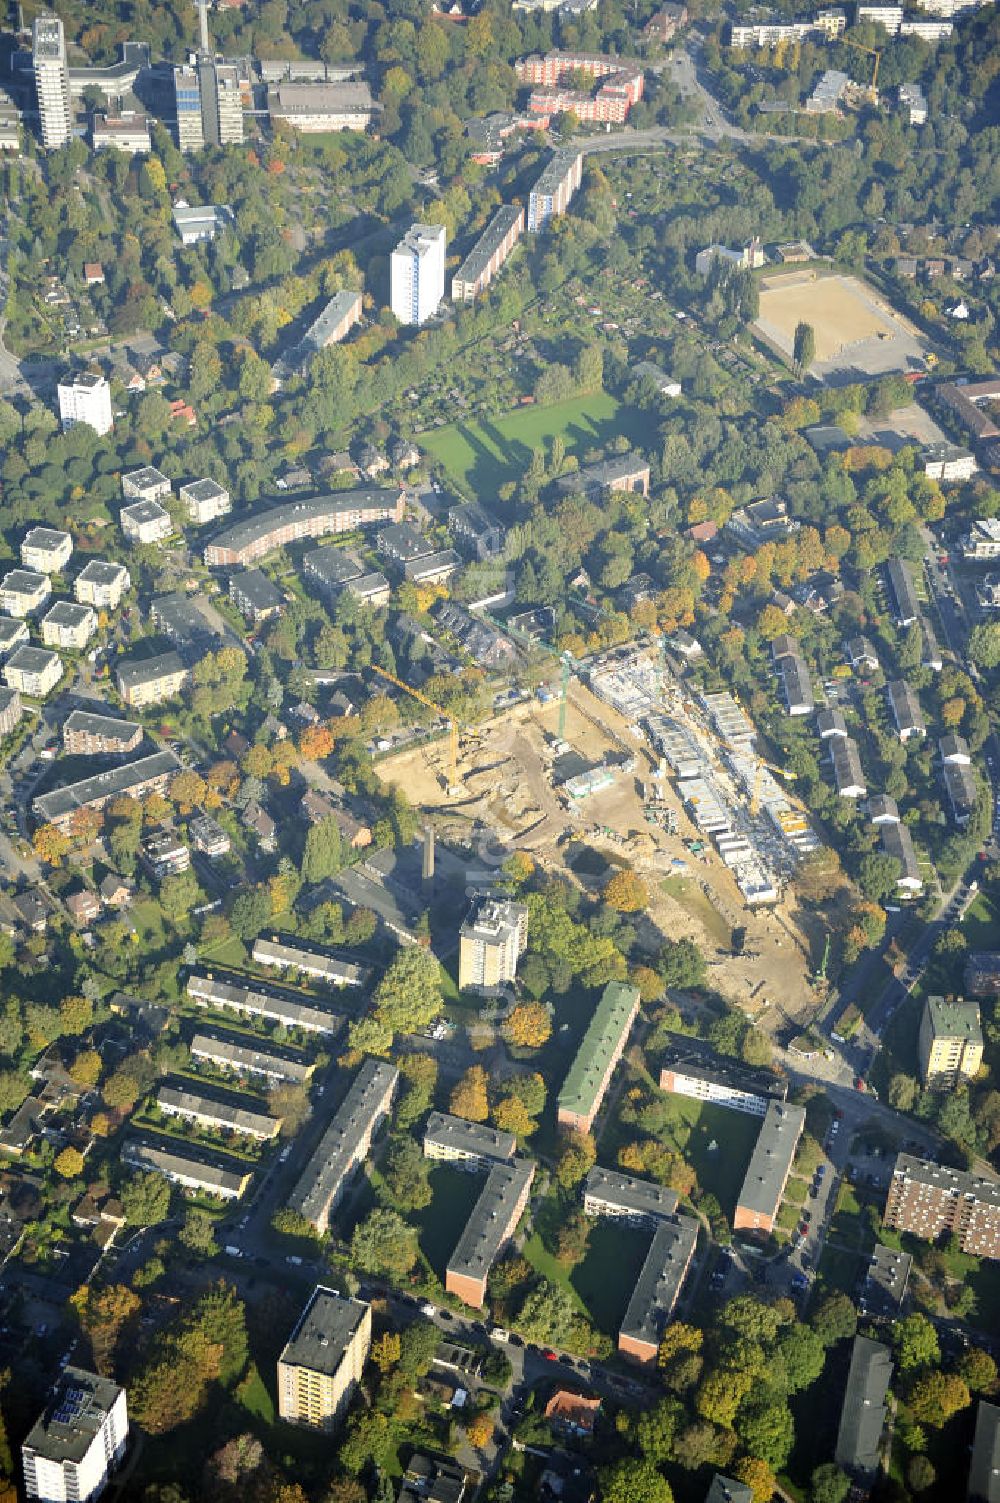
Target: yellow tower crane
{"type": "Point", "coordinates": [452, 722]}
{"type": "Point", "coordinates": [872, 52]}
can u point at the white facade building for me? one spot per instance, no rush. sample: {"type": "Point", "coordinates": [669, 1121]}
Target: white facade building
{"type": "Point", "coordinates": [85, 398]}
{"type": "Point", "coordinates": [48, 58]}
{"type": "Point", "coordinates": [417, 273]}
{"type": "Point", "coordinates": [101, 584]}
{"type": "Point", "coordinates": [78, 1441]}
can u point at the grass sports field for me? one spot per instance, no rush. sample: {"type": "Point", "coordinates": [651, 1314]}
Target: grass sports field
{"type": "Point", "coordinates": [482, 454]}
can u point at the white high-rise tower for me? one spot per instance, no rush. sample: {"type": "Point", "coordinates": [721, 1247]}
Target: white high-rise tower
{"type": "Point", "coordinates": [48, 54]}
{"type": "Point", "coordinates": [417, 273]}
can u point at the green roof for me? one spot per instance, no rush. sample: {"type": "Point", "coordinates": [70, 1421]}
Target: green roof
{"type": "Point", "coordinates": [586, 1078]}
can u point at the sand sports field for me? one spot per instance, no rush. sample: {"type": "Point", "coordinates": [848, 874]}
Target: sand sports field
{"type": "Point", "coordinates": [857, 333]}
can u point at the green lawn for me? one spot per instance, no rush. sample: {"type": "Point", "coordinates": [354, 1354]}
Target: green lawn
{"type": "Point", "coordinates": [605, 1278]}
{"type": "Point", "coordinates": [442, 1222]}
{"type": "Point", "coordinates": [716, 1142]}
{"type": "Point", "coordinates": [481, 455]}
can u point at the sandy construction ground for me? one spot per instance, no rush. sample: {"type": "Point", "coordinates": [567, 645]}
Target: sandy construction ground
{"type": "Point", "coordinates": [857, 333]}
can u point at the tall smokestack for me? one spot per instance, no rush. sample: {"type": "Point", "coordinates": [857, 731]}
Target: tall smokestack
{"type": "Point", "coordinates": [427, 869]}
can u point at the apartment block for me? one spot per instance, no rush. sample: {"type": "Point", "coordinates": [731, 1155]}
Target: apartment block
{"type": "Point", "coordinates": [69, 626]}
{"type": "Point", "coordinates": [33, 671]}
{"type": "Point", "coordinates": [322, 1361]}
{"type": "Point", "coordinates": [898, 843]}
{"type": "Point", "coordinates": [85, 398]}
{"type": "Point", "coordinates": [472, 1144]}
{"type": "Point", "coordinates": [982, 973]}
{"type": "Point", "coordinates": [135, 779]}
{"type": "Point", "coordinates": [255, 596]}
{"type": "Point", "coordinates": [147, 484]}
{"type": "Point", "coordinates": [416, 270]}
{"type": "Point", "coordinates": [149, 681]}
{"type": "Point", "coordinates": [213, 1174]}
{"type": "Point", "coordinates": [489, 1228]}
{"type": "Point", "coordinates": [241, 1056]}
{"type": "Point", "coordinates": [658, 1288]}
{"type": "Point", "coordinates": [101, 584]}
{"type": "Point", "coordinates": [342, 511]}
{"type": "Point", "coordinates": [78, 1441]}
{"type": "Point", "coordinates": [207, 1112]}
{"type": "Point", "coordinates": [22, 591]}
{"type": "Point", "coordinates": [345, 1143]}
{"type": "Point", "coordinates": [863, 1411]}
{"type": "Point", "coordinates": [491, 942]}
{"type": "Point", "coordinates": [335, 321]}
{"type": "Point", "coordinates": [984, 1467]}
{"type": "Point", "coordinates": [488, 254]}
{"type": "Point", "coordinates": [607, 1192]}
{"type": "Point", "coordinates": [281, 954]}
{"type": "Point", "coordinates": [600, 1050]}
{"type": "Point", "coordinates": [205, 500]}
{"type": "Point", "coordinates": [884, 1288]}
{"type": "Point", "coordinates": [950, 1041]}
{"type": "Point", "coordinates": [769, 1168]}
{"type": "Point", "coordinates": [616, 84]}
{"type": "Point", "coordinates": [228, 994]}
{"type": "Point", "coordinates": [13, 634]}
{"type": "Point", "coordinates": [554, 189]}
{"type": "Point", "coordinates": [906, 711]}
{"type": "Point", "coordinates": [930, 1200]}
{"type": "Point", "coordinates": [11, 711]}
{"type": "Point", "coordinates": [692, 1068]}
{"type": "Point", "coordinates": [85, 734]}
{"type": "Point", "coordinates": [46, 550]}
{"type": "Point", "coordinates": [146, 522]}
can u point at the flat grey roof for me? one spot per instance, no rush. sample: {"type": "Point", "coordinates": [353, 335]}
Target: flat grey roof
{"type": "Point", "coordinates": [146, 476]}
{"type": "Point", "coordinates": [76, 1409]}
{"type": "Point", "coordinates": [24, 581]}
{"type": "Point", "coordinates": [336, 1154]}
{"type": "Point", "coordinates": [202, 490]}
{"type": "Point", "coordinates": [771, 1158]}
{"type": "Point", "coordinates": [210, 1170]}
{"type": "Point", "coordinates": [146, 510]}
{"type": "Point", "coordinates": [45, 537]}
{"type": "Point", "coordinates": [886, 1280]}
{"type": "Point", "coordinates": [243, 1054]}
{"type": "Point", "coordinates": [100, 725]}
{"type": "Point", "coordinates": [67, 613]}
{"type": "Point", "coordinates": [955, 1182]}
{"type": "Point", "coordinates": [195, 1104]}
{"type": "Point", "coordinates": [862, 1416]}
{"type": "Point", "coordinates": [660, 1279]}
{"type": "Point", "coordinates": [32, 659]}
{"type": "Point", "coordinates": [148, 670]}
{"type": "Point", "coordinates": [554, 171]}
{"type": "Point", "coordinates": [637, 1197]}
{"type": "Point", "coordinates": [100, 571]}
{"type": "Point", "coordinates": [332, 565]}
{"type": "Point", "coordinates": [293, 99]}
{"type": "Point", "coordinates": [254, 585]}
{"type": "Point", "coordinates": [984, 1470]}
{"type": "Point", "coordinates": [488, 1225]}
{"type": "Point", "coordinates": [229, 992]}
{"type": "Point", "coordinates": [117, 780]}
{"type": "Point", "coordinates": [504, 220]}
{"type": "Point", "coordinates": [694, 1057]}
{"type": "Point", "coordinates": [468, 1137]}
{"type": "Point", "coordinates": [325, 1329]}
{"type": "Point", "coordinates": [252, 529]}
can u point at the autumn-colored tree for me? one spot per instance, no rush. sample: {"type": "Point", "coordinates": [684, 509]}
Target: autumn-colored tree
{"type": "Point", "coordinates": [76, 1014]}
{"type": "Point", "coordinates": [86, 1068]}
{"type": "Point", "coordinates": [679, 1337]}
{"type": "Point", "coordinates": [85, 825]}
{"type": "Point", "coordinates": [187, 790]}
{"type": "Point", "coordinates": [258, 762]}
{"type": "Point", "coordinates": [936, 1396]}
{"type": "Point", "coordinates": [104, 1314]}
{"type": "Point", "coordinates": [757, 1476]}
{"type": "Point", "coordinates": [222, 777]}
{"type": "Point", "coordinates": [511, 1115]}
{"type": "Point", "coordinates": [385, 1351]}
{"type": "Point", "coordinates": [479, 1431]}
{"type": "Point", "coordinates": [529, 1026]}
{"type": "Point", "coordinates": [469, 1097]}
{"type": "Point", "coordinates": [316, 742]}
{"type": "Point", "coordinates": [577, 1155]}
{"type": "Point", "coordinates": [520, 868]}
{"type": "Point", "coordinates": [50, 844]}
{"type": "Point", "coordinates": [626, 892]}
{"type": "Point", "coordinates": [68, 1163]}
{"type": "Point", "coordinates": [649, 982]}
{"type": "Point", "coordinates": [155, 809]}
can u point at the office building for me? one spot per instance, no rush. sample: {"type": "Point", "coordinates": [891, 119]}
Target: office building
{"type": "Point", "coordinates": [196, 223]}
{"type": "Point", "coordinates": [214, 1174]}
{"type": "Point", "coordinates": [49, 65]}
{"type": "Point", "coordinates": [125, 133]}
{"type": "Point", "coordinates": [79, 1439]}
{"type": "Point", "coordinates": [241, 1056]}
{"type": "Point", "coordinates": [416, 272]}
{"type": "Point", "coordinates": [281, 953]}
{"type": "Point", "coordinates": [149, 681]}
{"type": "Point", "coordinates": [769, 1168]}
{"type": "Point", "coordinates": [208, 104]}
{"type": "Point", "coordinates": [101, 584]}
{"type": "Point", "coordinates": [692, 1068]}
{"type": "Point", "coordinates": [208, 1112]}
{"type": "Point", "coordinates": [984, 1468]}
{"type": "Point", "coordinates": [254, 537]}
{"type": "Point", "coordinates": [930, 1201]}
{"type": "Point", "coordinates": [491, 941]}
{"type": "Point", "coordinates": [146, 522]}
{"type": "Point", "coordinates": [321, 106]}
{"type": "Point", "coordinates": [85, 398]}
{"type": "Point", "coordinates": [600, 1050]}
{"type": "Point", "coordinates": [228, 994]}
{"type": "Point", "coordinates": [22, 591]}
{"type": "Point", "coordinates": [862, 1415]}
{"type": "Point", "coordinates": [187, 106]}
{"type": "Point", "coordinates": [33, 671]}
{"type": "Point", "coordinates": [204, 500]}
{"type": "Point", "coordinates": [488, 254]}
{"type": "Point", "coordinates": [86, 734]}
{"type": "Point", "coordinates": [490, 1226]}
{"type": "Point", "coordinates": [68, 625]}
{"type": "Point", "coordinates": [345, 1143]}
{"type": "Point", "coordinates": [46, 551]}
{"type": "Point", "coordinates": [471, 1144]}
{"type": "Point", "coordinates": [322, 1361]}
{"type": "Point", "coordinates": [950, 1043]}
{"type": "Point", "coordinates": [136, 780]}
{"type": "Point", "coordinates": [554, 189]}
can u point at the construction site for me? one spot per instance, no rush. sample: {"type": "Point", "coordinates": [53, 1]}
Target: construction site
{"type": "Point", "coordinates": [619, 764]}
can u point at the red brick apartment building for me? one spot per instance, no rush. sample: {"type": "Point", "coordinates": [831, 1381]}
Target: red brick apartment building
{"type": "Point", "coordinates": [318, 516]}
{"type": "Point", "coordinates": [929, 1201]}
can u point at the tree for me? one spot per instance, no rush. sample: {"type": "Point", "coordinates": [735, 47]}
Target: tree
{"type": "Point", "coordinates": [479, 1431]}
{"type": "Point", "coordinates": [384, 1243]}
{"type": "Point", "coordinates": [198, 1233]}
{"type": "Point", "coordinates": [409, 997]}
{"type": "Point", "coordinates": [511, 1115]}
{"type": "Point", "coordinates": [978, 1369]}
{"type": "Point", "coordinates": [681, 964]}
{"type": "Point", "coordinates": [420, 1073]}
{"type": "Point", "coordinates": [69, 1163]}
{"type": "Point", "coordinates": [633, 1480]}
{"type": "Point", "coordinates": [903, 1092]}
{"type": "Point", "coordinates": [877, 875]}
{"type": "Point", "coordinates": [469, 1097]}
{"type": "Point", "coordinates": [250, 913]}
{"type": "Point", "coordinates": [146, 1200]}
{"type": "Point", "coordinates": [804, 346]}
{"type": "Point", "coordinates": [290, 1104]}
{"type": "Point", "coordinates": [834, 1319]}
{"type": "Point", "coordinates": [324, 851]}
{"type": "Point", "coordinates": [984, 645]}
{"type": "Point", "coordinates": [626, 892]}
{"type": "Point", "coordinates": [529, 1026]}
{"type": "Point", "coordinates": [746, 1316]}
{"type": "Point", "coordinates": [386, 1350]}
{"type": "Point", "coordinates": [86, 1069]}
{"type": "Point", "coordinates": [757, 1476]}
{"type": "Point", "coordinates": [920, 1473]}
{"type": "Point", "coordinates": [407, 1176]}
{"type": "Point", "coordinates": [936, 1396]}
{"type": "Point", "coordinates": [76, 1014]}
{"type": "Point", "coordinates": [50, 844]}
{"type": "Point", "coordinates": [803, 1354]}
{"type": "Point", "coordinates": [829, 1484]}
{"type": "Point", "coordinates": [916, 1344]}
{"type": "Point", "coordinates": [766, 1430]}
{"type": "Point", "coordinates": [656, 1429]}
{"type": "Point", "coordinates": [577, 1156]}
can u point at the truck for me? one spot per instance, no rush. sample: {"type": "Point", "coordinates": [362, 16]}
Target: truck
{"type": "Point", "coordinates": [232, 1251]}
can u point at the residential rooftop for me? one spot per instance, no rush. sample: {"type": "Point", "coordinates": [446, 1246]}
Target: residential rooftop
{"type": "Point", "coordinates": [626, 1193]}
{"type": "Point", "coordinates": [773, 1153]}
{"type": "Point", "coordinates": [325, 1330]}
{"type": "Point", "coordinates": [337, 1152]}
{"type": "Point", "coordinates": [469, 1139]}
{"type": "Point", "coordinates": [954, 1018]}
{"type": "Point", "coordinates": [73, 1416]}
{"type": "Point", "coordinates": [660, 1279]}
{"type": "Point", "coordinates": [862, 1416]}
{"type": "Point", "coordinates": [587, 1073]}
{"type": "Point", "coordinates": [488, 1225]}
{"type": "Point", "coordinates": [115, 782]}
